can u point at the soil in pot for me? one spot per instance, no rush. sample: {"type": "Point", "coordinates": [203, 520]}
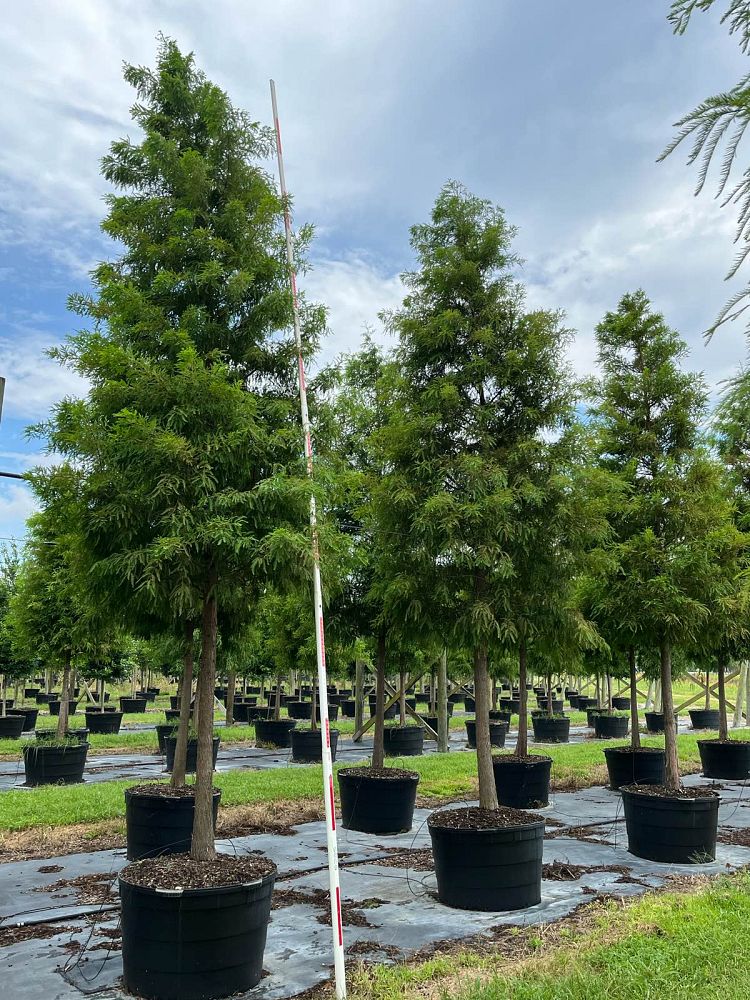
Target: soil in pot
{"type": "Point", "coordinates": [522, 782]}
{"type": "Point", "coordinates": [728, 759]}
{"type": "Point", "coordinates": [48, 762]}
{"type": "Point", "coordinates": [307, 747]}
{"type": "Point", "coordinates": [191, 760]}
{"type": "Point", "coordinates": [655, 721]}
{"type": "Point", "coordinates": [550, 729]}
{"type": "Point", "coordinates": [159, 819]}
{"type": "Point", "coordinates": [403, 741]}
{"type": "Point", "coordinates": [498, 731]}
{"type": "Point", "coordinates": [704, 718]}
{"type": "Point", "coordinates": [274, 732]}
{"type": "Point", "coordinates": [192, 930]}
{"type": "Point", "coordinates": [673, 828]}
{"type": "Point", "coordinates": [626, 766]}
{"type": "Point", "coordinates": [611, 727]}
{"type": "Point", "coordinates": [11, 726]}
{"type": "Point", "coordinates": [103, 722]}
{"type": "Point", "coordinates": [30, 716]}
{"type": "Point", "coordinates": [377, 800]}
{"type": "Point", "coordinates": [133, 705]}
{"type": "Point", "coordinates": [487, 859]}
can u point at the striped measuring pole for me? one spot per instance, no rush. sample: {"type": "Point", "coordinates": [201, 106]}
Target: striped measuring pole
{"type": "Point", "coordinates": [320, 643]}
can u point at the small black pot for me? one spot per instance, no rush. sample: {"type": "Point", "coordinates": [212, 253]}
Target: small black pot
{"type": "Point", "coordinates": [620, 703]}
{"type": "Point", "coordinates": [390, 713]}
{"type": "Point", "coordinates": [149, 696]}
{"type": "Point", "coordinates": [274, 732]}
{"type": "Point", "coordinates": [103, 722]}
{"type": "Point", "coordinates": [173, 714]}
{"type": "Point", "coordinates": [500, 715]}
{"type": "Point", "coordinates": [550, 730]}
{"type": "Point", "coordinates": [671, 830]}
{"type": "Point", "coordinates": [730, 759]}
{"type": "Point", "coordinates": [704, 718]}
{"type": "Point", "coordinates": [160, 824]}
{"type": "Point", "coordinates": [403, 741]}
{"type": "Point", "coordinates": [470, 704]}
{"type": "Point", "coordinates": [163, 730]}
{"type": "Point", "coordinates": [655, 721]}
{"type": "Point", "coordinates": [174, 701]}
{"type": "Point", "coordinates": [191, 758]}
{"type": "Point", "coordinates": [511, 705]}
{"type": "Point", "coordinates": [47, 764]}
{"type": "Point", "coordinates": [591, 716]}
{"type": "Point", "coordinates": [498, 732]}
{"type": "Point", "coordinates": [489, 870]}
{"type": "Point", "coordinates": [456, 697]}
{"type": "Point", "coordinates": [30, 692]}
{"type": "Point", "coordinates": [611, 727]}
{"type": "Point", "coordinates": [299, 709]}
{"type": "Point", "coordinates": [584, 702]}
{"type": "Point", "coordinates": [558, 705]}
{"type": "Point", "coordinates": [133, 705]}
{"type": "Point", "coordinates": [194, 943]}
{"type": "Point", "coordinates": [29, 717]}
{"type": "Point", "coordinates": [54, 707]}
{"type": "Point", "coordinates": [523, 784]}
{"type": "Point", "coordinates": [432, 722]}
{"type": "Point", "coordinates": [255, 712]}
{"type": "Point", "coordinates": [348, 708]}
{"type": "Point", "coordinates": [11, 726]}
{"type": "Point", "coordinates": [372, 804]}
{"type": "Point", "coordinates": [573, 700]}
{"type": "Point", "coordinates": [44, 697]}
{"type": "Point", "coordinates": [307, 747]}
{"type": "Point", "coordinates": [626, 766]}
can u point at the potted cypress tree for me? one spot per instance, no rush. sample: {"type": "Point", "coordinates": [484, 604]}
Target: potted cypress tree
{"type": "Point", "coordinates": [671, 518]}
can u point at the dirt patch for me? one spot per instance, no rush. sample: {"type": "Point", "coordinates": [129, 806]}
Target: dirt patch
{"type": "Point", "coordinates": [268, 817]}
{"type": "Point", "coordinates": [737, 837]}
{"type": "Point", "coordinates": [560, 871]}
{"type": "Point", "coordinates": [363, 948]}
{"type": "Point", "coordinates": [412, 858]}
{"type": "Point", "coordinates": [89, 889]}
{"type": "Point", "coordinates": [32, 932]}
{"type": "Point", "coordinates": [50, 869]}
{"type": "Point", "coordinates": [351, 910]}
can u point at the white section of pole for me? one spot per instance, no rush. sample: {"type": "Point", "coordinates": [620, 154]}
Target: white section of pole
{"type": "Point", "coordinates": [325, 730]}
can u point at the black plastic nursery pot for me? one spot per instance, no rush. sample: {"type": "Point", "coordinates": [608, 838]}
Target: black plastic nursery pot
{"type": "Point", "coordinates": [45, 697]}
{"type": "Point", "coordinates": [163, 730]}
{"type": "Point", "coordinates": [11, 726]}
{"type": "Point", "coordinates": [611, 727]}
{"type": "Point", "coordinates": [307, 747]}
{"type": "Point", "coordinates": [190, 944]}
{"type": "Point", "coordinates": [255, 712]}
{"type": "Point", "coordinates": [584, 702]}
{"type": "Point", "coordinates": [491, 868]}
{"type": "Point", "coordinates": [655, 721]}
{"type": "Point", "coordinates": [725, 759]}
{"type": "Point", "coordinates": [348, 708]}
{"type": "Point", "coordinates": [133, 705]}
{"type": "Point", "coordinates": [498, 731]}
{"type": "Point", "coordinates": [174, 701]}
{"type": "Point", "coordinates": [377, 800]}
{"type": "Point", "coordinates": [550, 729]}
{"type": "Point", "coordinates": [390, 713]}
{"type": "Point", "coordinates": [620, 703]}
{"type": "Point", "coordinates": [432, 722]}
{"type": "Point", "coordinates": [499, 715]}
{"type": "Point", "coordinates": [148, 695]}
{"type": "Point", "coordinates": [591, 714]}
{"type": "Point", "coordinates": [54, 707]}
{"type": "Point", "coordinates": [43, 735]}
{"type": "Point", "coordinates": [403, 741]}
{"type": "Point", "coordinates": [48, 763]}
{"type": "Point", "coordinates": [29, 717]}
{"type": "Point", "coordinates": [299, 709]}
{"type": "Point", "coordinates": [511, 705]}
{"type": "Point", "coordinates": [157, 823]}
{"type": "Point", "coordinates": [558, 705]}
{"type": "Point", "coordinates": [103, 722]}
{"type": "Point", "coordinates": [704, 718]}
{"type": "Point", "coordinates": [274, 732]}
{"type": "Point", "coordinates": [470, 704]}
{"type": "Point", "coordinates": [191, 758]}
{"type": "Point", "coordinates": [627, 766]}
{"type": "Point", "coordinates": [30, 692]}
{"type": "Point", "coordinates": [522, 782]}
{"type": "Point", "coordinates": [671, 829]}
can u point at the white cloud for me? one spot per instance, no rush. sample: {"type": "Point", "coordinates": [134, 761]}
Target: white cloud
{"type": "Point", "coordinates": [17, 503]}
{"type": "Point", "coordinates": [34, 383]}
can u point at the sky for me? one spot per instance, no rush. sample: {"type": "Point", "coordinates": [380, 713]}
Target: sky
{"type": "Point", "coordinates": [555, 111]}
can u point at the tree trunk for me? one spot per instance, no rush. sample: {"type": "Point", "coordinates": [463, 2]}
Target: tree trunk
{"type": "Point", "coordinates": [442, 703]}
{"type": "Point", "coordinates": [649, 706]}
{"type": "Point", "coordinates": [402, 698]}
{"type": "Point", "coordinates": [231, 688]}
{"type": "Point", "coordinates": [672, 779]}
{"type": "Point", "coordinates": [522, 743]}
{"type": "Point", "coordinates": [598, 692]}
{"type": "Point", "coordinates": [635, 733]}
{"type": "Point", "coordinates": [548, 682]}
{"type": "Point", "coordinates": [202, 848]}
{"type": "Point", "coordinates": [378, 750]}
{"type": "Point", "coordinates": [747, 696]}
{"type": "Point", "coordinates": [186, 696]}
{"type": "Point", "coordinates": [720, 670]}
{"type": "Point", "coordinates": [4, 697]}
{"type": "Point", "coordinates": [487, 790]}
{"type": "Point", "coordinates": [359, 697]}
{"type": "Point", "coordinates": [62, 721]}
{"type": "Point", "coordinates": [737, 721]}
{"type": "Point", "coordinates": [277, 698]}
{"type": "Point", "coordinates": [434, 696]}
{"type": "Point", "coordinates": [494, 694]}
{"type": "Point", "coordinates": [609, 692]}
{"type": "Point", "coordinates": [314, 708]}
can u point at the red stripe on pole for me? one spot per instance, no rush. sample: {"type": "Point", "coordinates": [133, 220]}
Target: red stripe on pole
{"type": "Point", "coordinates": [322, 640]}
{"type": "Point", "coordinates": [338, 914]}
{"type": "Point", "coordinates": [328, 734]}
{"type": "Point", "coordinates": [333, 804]}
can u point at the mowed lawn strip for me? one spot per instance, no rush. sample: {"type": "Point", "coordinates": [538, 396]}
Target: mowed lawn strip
{"type": "Point", "coordinates": [443, 776]}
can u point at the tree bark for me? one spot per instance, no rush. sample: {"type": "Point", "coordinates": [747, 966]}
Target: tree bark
{"type": "Point", "coordinates": [548, 682]}
{"type": "Point", "coordinates": [314, 707]}
{"type": "Point", "coordinates": [378, 750]}
{"type": "Point", "coordinates": [202, 848]}
{"type": "Point", "coordinates": [402, 698]}
{"type": "Point", "coordinates": [442, 703]}
{"type": "Point", "coordinates": [522, 743]}
{"type": "Point", "coordinates": [4, 697]}
{"type": "Point", "coordinates": [231, 688]}
{"type": "Point", "coordinates": [608, 680]}
{"type": "Point", "coordinates": [487, 790]}
{"type": "Point", "coordinates": [720, 670]}
{"type": "Point", "coordinates": [359, 697]}
{"type": "Point", "coordinates": [635, 732]}
{"type": "Point", "coordinates": [672, 778]}
{"type": "Point", "coordinates": [277, 698]}
{"type": "Point", "coordinates": [737, 721]}
{"type": "Point", "coordinates": [62, 721]}
{"type": "Point", "coordinates": [186, 696]}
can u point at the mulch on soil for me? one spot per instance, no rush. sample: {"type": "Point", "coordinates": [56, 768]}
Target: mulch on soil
{"type": "Point", "coordinates": [166, 791]}
{"type": "Point", "coordinates": [180, 871]}
{"type": "Point", "coordinates": [474, 818]}
{"type": "Point", "coordinates": [392, 773]}
{"type": "Point", "coordinates": [29, 932]}
{"type": "Point", "coordinates": [89, 889]}
{"type": "Point", "coordinates": [661, 791]}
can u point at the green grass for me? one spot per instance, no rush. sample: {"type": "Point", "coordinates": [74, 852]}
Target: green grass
{"type": "Point", "coordinates": [660, 947]}
{"type": "Point", "coordinates": [442, 775]}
